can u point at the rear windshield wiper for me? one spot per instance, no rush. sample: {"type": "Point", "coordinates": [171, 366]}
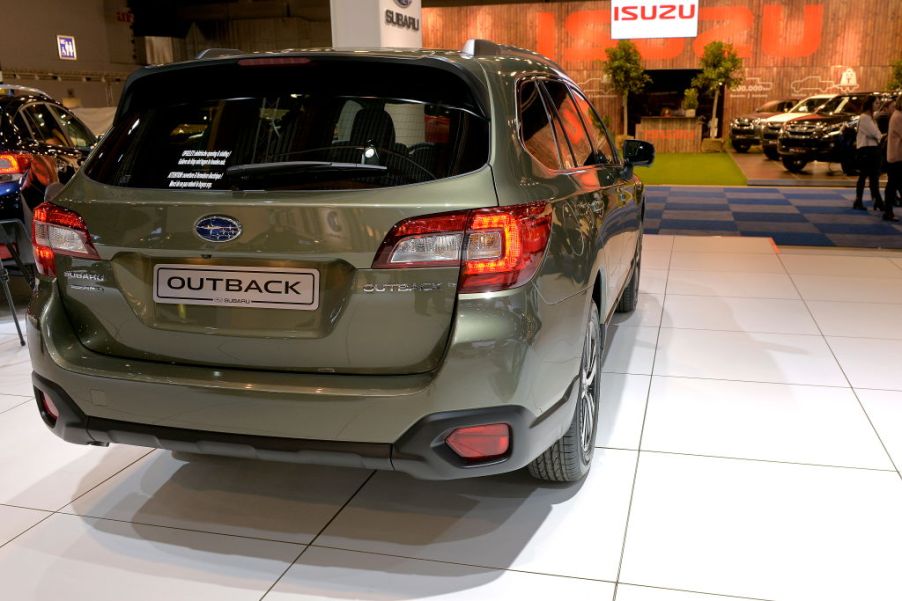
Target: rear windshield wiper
{"type": "Point", "coordinates": [251, 170]}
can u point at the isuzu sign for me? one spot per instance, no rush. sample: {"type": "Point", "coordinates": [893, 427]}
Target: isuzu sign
{"type": "Point", "coordinates": [639, 19]}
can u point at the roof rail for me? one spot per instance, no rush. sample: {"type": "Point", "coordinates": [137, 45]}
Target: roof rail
{"type": "Point", "coordinates": [218, 53]}
{"type": "Point", "coordinates": [477, 48]}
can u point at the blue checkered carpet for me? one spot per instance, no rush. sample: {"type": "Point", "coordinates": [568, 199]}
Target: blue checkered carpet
{"type": "Point", "coordinates": [792, 216]}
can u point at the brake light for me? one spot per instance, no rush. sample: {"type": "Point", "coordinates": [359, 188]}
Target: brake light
{"type": "Point", "coordinates": [496, 249]}
{"type": "Point", "coordinates": [480, 443]}
{"type": "Point", "coordinates": [14, 164]}
{"type": "Point", "coordinates": [273, 61]}
{"type": "Point", "coordinates": [56, 230]}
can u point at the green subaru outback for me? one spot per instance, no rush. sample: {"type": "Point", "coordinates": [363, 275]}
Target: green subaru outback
{"type": "Point", "coordinates": [399, 260]}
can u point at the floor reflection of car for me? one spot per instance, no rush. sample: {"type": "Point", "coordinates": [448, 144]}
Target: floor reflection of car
{"type": "Point", "coordinates": [400, 260]}
{"type": "Point", "coordinates": [821, 136]}
{"type": "Point", "coordinates": [41, 142]}
{"type": "Point", "coordinates": [745, 130]}
{"type": "Point", "coordinates": [770, 129]}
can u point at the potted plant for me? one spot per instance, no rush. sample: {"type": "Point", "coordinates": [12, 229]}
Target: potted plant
{"type": "Point", "coordinates": [690, 102]}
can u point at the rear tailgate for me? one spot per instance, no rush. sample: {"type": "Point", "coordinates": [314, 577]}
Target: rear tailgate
{"type": "Point", "coordinates": [202, 265]}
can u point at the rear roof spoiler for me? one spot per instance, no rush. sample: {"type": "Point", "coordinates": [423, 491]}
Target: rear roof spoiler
{"type": "Point", "coordinates": [218, 53]}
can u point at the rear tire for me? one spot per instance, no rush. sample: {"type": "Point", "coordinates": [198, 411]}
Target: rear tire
{"type": "Point", "coordinates": [570, 458]}
{"type": "Point", "coordinates": [630, 297]}
{"type": "Point", "coordinates": [771, 153]}
{"type": "Point", "coordinates": [794, 165]}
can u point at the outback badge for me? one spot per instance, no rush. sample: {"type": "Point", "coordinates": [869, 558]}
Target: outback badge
{"type": "Point", "coordinates": [217, 228]}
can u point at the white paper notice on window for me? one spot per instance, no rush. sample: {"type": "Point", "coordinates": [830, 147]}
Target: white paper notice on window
{"type": "Point", "coordinates": [643, 19]}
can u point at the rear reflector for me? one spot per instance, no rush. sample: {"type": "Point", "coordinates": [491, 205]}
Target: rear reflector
{"type": "Point", "coordinates": [480, 443]}
{"type": "Point", "coordinates": [495, 248]}
{"type": "Point", "coordinates": [49, 408]}
{"type": "Point", "coordinates": [56, 230]}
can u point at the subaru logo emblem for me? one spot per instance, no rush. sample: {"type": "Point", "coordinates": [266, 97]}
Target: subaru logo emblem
{"type": "Point", "coordinates": [403, 3]}
{"type": "Point", "coordinates": [217, 228]}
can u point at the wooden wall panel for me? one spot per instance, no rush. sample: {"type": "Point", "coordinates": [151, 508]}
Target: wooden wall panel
{"type": "Point", "coordinates": [790, 47]}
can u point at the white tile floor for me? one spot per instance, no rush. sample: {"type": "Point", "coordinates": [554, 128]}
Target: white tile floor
{"type": "Point", "coordinates": [749, 448]}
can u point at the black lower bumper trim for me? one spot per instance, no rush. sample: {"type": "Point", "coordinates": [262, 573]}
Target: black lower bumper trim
{"type": "Point", "coordinates": [421, 451]}
{"type": "Point", "coordinates": [74, 426]}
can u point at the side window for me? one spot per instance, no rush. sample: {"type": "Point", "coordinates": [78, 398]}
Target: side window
{"type": "Point", "coordinates": [78, 134]}
{"type": "Point", "coordinates": [571, 121]}
{"type": "Point", "coordinates": [596, 129]}
{"type": "Point", "coordinates": [44, 125]}
{"type": "Point", "coordinates": [535, 127]}
{"type": "Point", "coordinates": [21, 124]}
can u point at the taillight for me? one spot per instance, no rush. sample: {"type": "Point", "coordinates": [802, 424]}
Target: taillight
{"type": "Point", "coordinates": [14, 164]}
{"type": "Point", "coordinates": [56, 230]}
{"type": "Point", "coordinates": [496, 249]}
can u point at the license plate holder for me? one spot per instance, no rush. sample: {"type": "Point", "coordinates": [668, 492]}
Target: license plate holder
{"type": "Point", "coordinates": [237, 286]}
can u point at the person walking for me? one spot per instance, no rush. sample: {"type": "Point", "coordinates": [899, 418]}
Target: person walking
{"type": "Point", "coordinates": [867, 149]}
{"type": "Point", "coordinates": [893, 161]}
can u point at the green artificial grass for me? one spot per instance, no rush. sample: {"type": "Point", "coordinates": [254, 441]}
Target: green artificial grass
{"type": "Point", "coordinates": [693, 169]}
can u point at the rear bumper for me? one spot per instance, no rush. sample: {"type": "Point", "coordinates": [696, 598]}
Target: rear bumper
{"type": "Point", "coordinates": [421, 451]}
{"type": "Point", "coordinates": [505, 363]}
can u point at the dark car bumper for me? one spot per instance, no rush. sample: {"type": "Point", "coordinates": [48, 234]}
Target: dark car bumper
{"type": "Point", "coordinates": [421, 451]}
{"type": "Point", "coordinates": [746, 135]}
{"type": "Point", "coordinates": [812, 149]}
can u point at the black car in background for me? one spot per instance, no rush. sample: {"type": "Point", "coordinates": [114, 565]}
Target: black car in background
{"type": "Point", "coordinates": [41, 142]}
{"type": "Point", "coordinates": [745, 130]}
{"type": "Point", "coordinates": [823, 135]}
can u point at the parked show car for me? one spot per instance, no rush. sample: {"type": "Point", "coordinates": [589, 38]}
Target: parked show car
{"type": "Point", "coordinates": [41, 142]}
{"type": "Point", "coordinates": [770, 129]}
{"type": "Point", "coordinates": [823, 135]}
{"type": "Point", "coordinates": [745, 130]}
{"type": "Point", "coordinates": [399, 260]}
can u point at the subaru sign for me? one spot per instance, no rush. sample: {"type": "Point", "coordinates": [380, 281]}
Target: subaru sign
{"type": "Point", "coordinates": [217, 228]}
{"type": "Point", "coordinates": [65, 44]}
{"type": "Point", "coordinates": [639, 19]}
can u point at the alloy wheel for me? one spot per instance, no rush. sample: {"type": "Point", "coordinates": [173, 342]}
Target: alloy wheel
{"type": "Point", "coordinates": [588, 391]}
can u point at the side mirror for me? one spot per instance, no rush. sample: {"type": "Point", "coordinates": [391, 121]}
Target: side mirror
{"type": "Point", "coordinates": [52, 191]}
{"type": "Point", "coordinates": [638, 153]}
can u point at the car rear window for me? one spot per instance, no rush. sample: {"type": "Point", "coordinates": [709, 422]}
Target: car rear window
{"type": "Point", "coordinates": [294, 124]}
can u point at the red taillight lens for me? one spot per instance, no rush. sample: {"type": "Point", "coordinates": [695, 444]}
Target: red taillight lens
{"type": "Point", "coordinates": [56, 230]}
{"type": "Point", "coordinates": [14, 164]}
{"type": "Point", "coordinates": [480, 443]}
{"type": "Point", "coordinates": [496, 248]}
{"type": "Point", "coordinates": [504, 247]}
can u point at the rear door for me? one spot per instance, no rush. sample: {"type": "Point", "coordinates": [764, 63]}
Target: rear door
{"type": "Point", "coordinates": [627, 210]}
{"type": "Point", "coordinates": [237, 211]}
{"type": "Point", "coordinates": [598, 177]}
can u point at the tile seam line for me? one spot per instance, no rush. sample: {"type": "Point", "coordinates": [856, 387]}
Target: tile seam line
{"type": "Point", "coordinates": [680, 590]}
{"type": "Point", "coordinates": [313, 540]}
{"type": "Point", "coordinates": [627, 373]}
{"type": "Point", "coordinates": [755, 459]}
{"type": "Point", "coordinates": [654, 359]}
{"type": "Point", "coordinates": [50, 513]}
{"type": "Point", "coordinates": [848, 380]}
{"type": "Point", "coordinates": [16, 406]}
{"type": "Point", "coordinates": [462, 564]}
{"type": "Point", "coordinates": [179, 528]}
{"type": "Point", "coordinates": [771, 461]}
{"type": "Point", "coordinates": [820, 334]}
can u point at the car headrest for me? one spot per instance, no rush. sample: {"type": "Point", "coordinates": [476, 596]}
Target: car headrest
{"type": "Point", "coordinates": [373, 126]}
